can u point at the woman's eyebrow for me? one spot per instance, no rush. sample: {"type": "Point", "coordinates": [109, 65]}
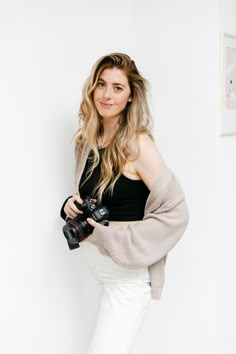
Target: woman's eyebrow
{"type": "Point", "coordinates": [114, 83]}
{"type": "Point", "coordinates": [117, 83]}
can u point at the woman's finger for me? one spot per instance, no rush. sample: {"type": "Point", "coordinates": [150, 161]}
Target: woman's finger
{"type": "Point", "coordinates": [72, 205]}
{"type": "Point", "coordinates": [70, 213]}
{"type": "Point", "coordinates": [91, 222]}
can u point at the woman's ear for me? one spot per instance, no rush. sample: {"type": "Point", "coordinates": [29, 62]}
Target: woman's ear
{"type": "Point", "coordinates": [130, 99]}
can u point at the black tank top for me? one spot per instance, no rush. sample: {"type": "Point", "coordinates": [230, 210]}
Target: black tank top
{"type": "Point", "coordinates": [126, 203]}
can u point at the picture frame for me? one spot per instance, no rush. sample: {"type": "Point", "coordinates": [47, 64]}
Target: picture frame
{"type": "Point", "coordinates": [227, 111]}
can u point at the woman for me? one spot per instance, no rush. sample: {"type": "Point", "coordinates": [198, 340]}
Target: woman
{"type": "Point", "coordinates": [118, 164]}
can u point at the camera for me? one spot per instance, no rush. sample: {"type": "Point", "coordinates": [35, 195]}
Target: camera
{"type": "Point", "coordinates": [77, 229]}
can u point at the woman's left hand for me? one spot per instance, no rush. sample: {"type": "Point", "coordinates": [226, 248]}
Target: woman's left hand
{"type": "Point", "coordinates": [91, 222]}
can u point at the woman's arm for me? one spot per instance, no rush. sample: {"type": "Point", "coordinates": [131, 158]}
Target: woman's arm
{"type": "Point", "coordinates": [149, 163]}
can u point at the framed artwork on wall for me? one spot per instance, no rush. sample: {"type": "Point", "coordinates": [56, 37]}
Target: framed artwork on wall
{"type": "Point", "coordinates": [227, 116]}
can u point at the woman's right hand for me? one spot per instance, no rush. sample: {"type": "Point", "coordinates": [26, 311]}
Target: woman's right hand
{"type": "Point", "coordinates": [70, 208]}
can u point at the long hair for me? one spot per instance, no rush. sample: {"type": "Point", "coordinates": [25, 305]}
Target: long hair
{"type": "Point", "coordinates": [134, 120]}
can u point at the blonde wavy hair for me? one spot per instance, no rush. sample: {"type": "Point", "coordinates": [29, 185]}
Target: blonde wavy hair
{"type": "Point", "coordinates": [134, 120]}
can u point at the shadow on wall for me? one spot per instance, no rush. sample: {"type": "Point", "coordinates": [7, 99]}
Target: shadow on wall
{"type": "Point", "coordinates": [69, 288]}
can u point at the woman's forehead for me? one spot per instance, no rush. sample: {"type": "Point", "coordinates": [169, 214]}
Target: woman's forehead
{"type": "Point", "coordinates": [114, 75]}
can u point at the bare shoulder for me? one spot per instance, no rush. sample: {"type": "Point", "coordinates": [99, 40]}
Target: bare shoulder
{"type": "Point", "coordinates": [143, 147]}
{"type": "Point", "coordinates": [139, 143]}
{"type": "Point", "coordinates": [148, 163]}
{"type": "Point", "coordinates": [145, 142]}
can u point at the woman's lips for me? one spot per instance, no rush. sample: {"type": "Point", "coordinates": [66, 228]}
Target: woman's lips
{"type": "Point", "coordinates": [106, 105]}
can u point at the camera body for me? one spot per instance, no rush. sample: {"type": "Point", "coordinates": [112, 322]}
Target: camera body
{"type": "Point", "coordinates": [77, 229]}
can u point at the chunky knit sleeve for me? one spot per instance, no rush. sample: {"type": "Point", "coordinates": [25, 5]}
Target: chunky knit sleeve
{"type": "Point", "coordinates": [147, 241]}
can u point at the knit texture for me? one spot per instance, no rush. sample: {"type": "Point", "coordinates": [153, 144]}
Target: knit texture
{"type": "Point", "coordinates": [146, 242]}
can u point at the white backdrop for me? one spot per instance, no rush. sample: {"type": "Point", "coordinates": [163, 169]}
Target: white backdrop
{"type": "Point", "coordinates": [47, 49]}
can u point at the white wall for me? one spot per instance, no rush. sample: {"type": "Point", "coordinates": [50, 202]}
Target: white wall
{"type": "Point", "coordinates": [226, 196]}
{"type": "Point", "coordinates": [47, 49]}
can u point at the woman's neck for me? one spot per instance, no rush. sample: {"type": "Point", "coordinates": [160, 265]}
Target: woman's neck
{"type": "Point", "coordinates": [110, 127]}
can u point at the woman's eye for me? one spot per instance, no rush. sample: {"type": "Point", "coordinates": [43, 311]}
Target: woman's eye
{"type": "Point", "coordinates": [100, 84]}
{"type": "Point", "coordinates": [118, 88]}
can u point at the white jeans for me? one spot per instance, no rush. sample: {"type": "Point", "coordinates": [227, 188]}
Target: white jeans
{"type": "Point", "coordinates": [126, 294]}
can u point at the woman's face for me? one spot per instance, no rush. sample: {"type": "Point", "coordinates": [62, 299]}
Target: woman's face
{"type": "Point", "coordinates": [112, 93]}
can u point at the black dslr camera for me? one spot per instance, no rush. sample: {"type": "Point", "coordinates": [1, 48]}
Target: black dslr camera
{"type": "Point", "coordinates": [77, 229]}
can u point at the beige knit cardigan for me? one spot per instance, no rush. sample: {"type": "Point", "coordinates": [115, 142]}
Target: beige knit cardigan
{"type": "Point", "coordinates": [148, 241]}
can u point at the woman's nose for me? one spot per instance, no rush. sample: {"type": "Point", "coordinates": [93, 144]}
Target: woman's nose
{"type": "Point", "coordinates": [107, 92]}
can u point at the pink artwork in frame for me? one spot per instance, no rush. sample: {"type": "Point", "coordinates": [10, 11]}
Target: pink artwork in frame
{"type": "Point", "coordinates": [227, 98]}
{"type": "Point", "coordinates": [230, 78]}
